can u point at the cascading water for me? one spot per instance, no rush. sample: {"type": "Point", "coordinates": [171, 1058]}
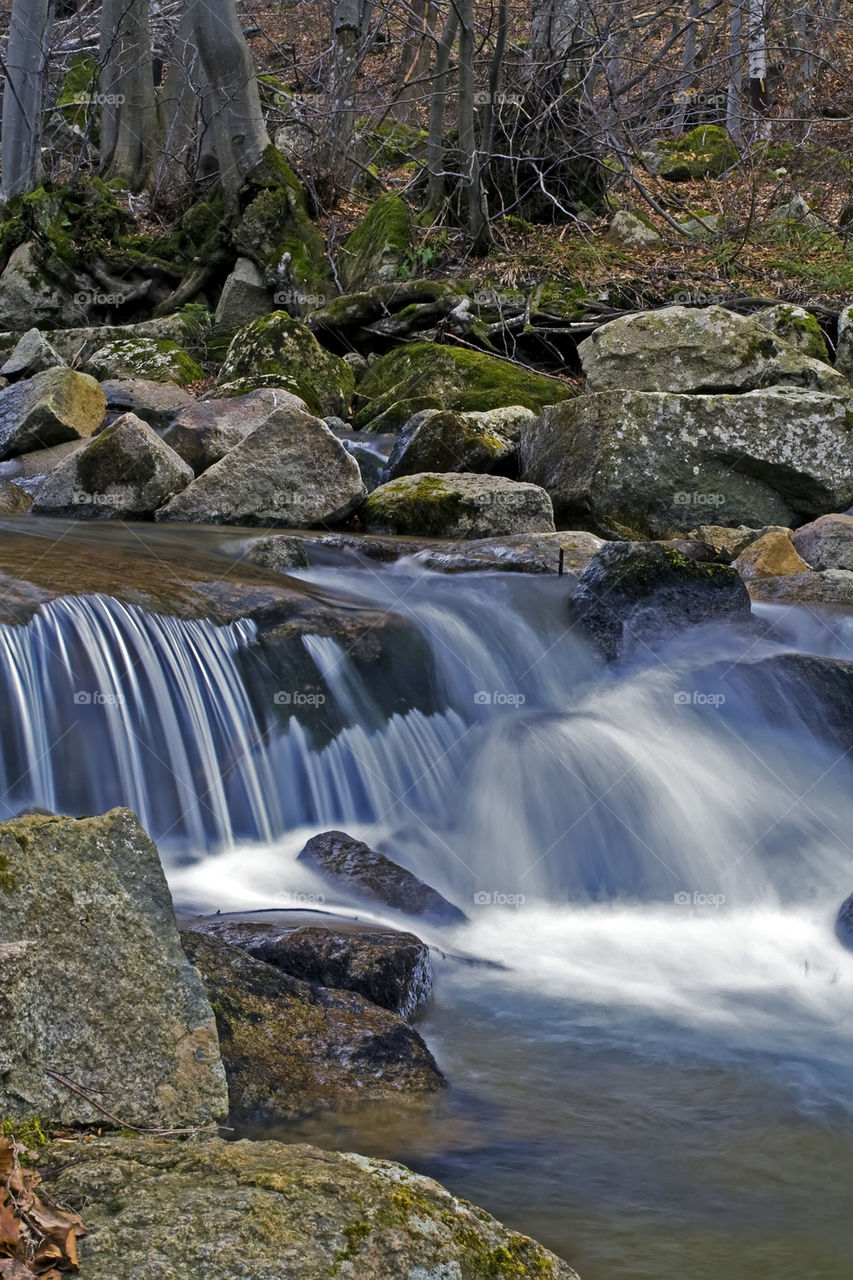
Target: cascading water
{"type": "Point", "coordinates": [652, 857]}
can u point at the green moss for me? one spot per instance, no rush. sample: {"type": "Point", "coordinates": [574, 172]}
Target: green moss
{"type": "Point", "coordinates": [77, 92]}
{"type": "Point", "coordinates": [29, 1132]}
{"type": "Point", "coordinates": [70, 221]}
{"type": "Point", "coordinates": [160, 359]}
{"type": "Point", "coordinates": [392, 143]}
{"type": "Point", "coordinates": [8, 882]}
{"type": "Point", "coordinates": [381, 240]}
{"type": "Point", "coordinates": [705, 152]}
{"type": "Point", "coordinates": [105, 462]}
{"type": "Point", "coordinates": [276, 231]}
{"type": "Point", "coordinates": [279, 346]}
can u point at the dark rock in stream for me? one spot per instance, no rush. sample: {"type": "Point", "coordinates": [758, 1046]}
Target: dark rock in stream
{"type": "Point", "coordinates": [844, 923]}
{"type": "Point", "coordinates": [369, 875]}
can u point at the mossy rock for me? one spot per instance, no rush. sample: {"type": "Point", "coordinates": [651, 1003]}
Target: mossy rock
{"type": "Point", "coordinates": [457, 506]}
{"type": "Point", "coordinates": [280, 346]}
{"type": "Point", "coordinates": [159, 359]}
{"type": "Point", "coordinates": [379, 245]}
{"type": "Point", "coordinates": [705, 152]}
{"type": "Point", "coordinates": [450, 378]}
{"type": "Point", "coordinates": [796, 326]}
{"type": "Point", "coordinates": [69, 222]}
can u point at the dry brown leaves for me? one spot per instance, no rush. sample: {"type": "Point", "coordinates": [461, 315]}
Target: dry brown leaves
{"type": "Point", "coordinates": [36, 1238]}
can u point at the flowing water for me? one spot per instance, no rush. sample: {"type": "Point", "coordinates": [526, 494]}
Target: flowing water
{"type": "Point", "coordinates": [646, 1023]}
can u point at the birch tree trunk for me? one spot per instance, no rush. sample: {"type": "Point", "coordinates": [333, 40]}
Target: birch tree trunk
{"type": "Point", "coordinates": [128, 110]}
{"type": "Point", "coordinates": [23, 96]}
{"type": "Point", "coordinates": [734, 92]}
{"type": "Point", "coordinates": [757, 53]}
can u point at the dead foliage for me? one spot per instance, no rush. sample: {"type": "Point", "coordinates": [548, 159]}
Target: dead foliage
{"type": "Point", "coordinates": [36, 1237]}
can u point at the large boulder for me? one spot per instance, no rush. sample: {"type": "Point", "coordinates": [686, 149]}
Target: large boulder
{"type": "Point", "coordinates": [292, 1048]}
{"type": "Point", "coordinates": [826, 543]}
{"type": "Point", "coordinates": [698, 349]}
{"type": "Point", "coordinates": [422, 375]}
{"type": "Point", "coordinates": [649, 463]}
{"type": "Point", "coordinates": [98, 1003]}
{"type": "Point", "coordinates": [52, 407]}
{"type": "Point", "coordinates": [457, 506]}
{"type": "Point", "coordinates": [280, 346]}
{"type": "Point", "coordinates": [442, 440]}
{"type": "Point", "coordinates": [633, 595]}
{"type": "Point", "coordinates": [32, 354]}
{"type": "Point", "coordinates": [378, 246]}
{"type": "Point", "coordinates": [221, 1210]}
{"type": "Point", "coordinates": [157, 403]}
{"type": "Point", "coordinates": [291, 470]}
{"type": "Point", "coordinates": [205, 431]}
{"type": "Point", "coordinates": [158, 359]}
{"type": "Point", "coordinates": [388, 968]}
{"type": "Point", "coordinates": [27, 295]}
{"type": "Point", "coordinates": [369, 875]}
{"type": "Point", "coordinates": [124, 473]}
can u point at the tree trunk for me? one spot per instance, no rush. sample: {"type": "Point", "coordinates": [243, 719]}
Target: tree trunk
{"type": "Point", "coordinates": [350, 24]}
{"type": "Point", "coordinates": [23, 96]}
{"type": "Point", "coordinates": [688, 67]}
{"type": "Point", "coordinates": [554, 29]}
{"type": "Point", "coordinates": [475, 198]}
{"type": "Point", "coordinates": [437, 188]}
{"type": "Point", "coordinates": [414, 62]}
{"type": "Point", "coordinates": [757, 50]}
{"type": "Point", "coordinates": [128, 110]}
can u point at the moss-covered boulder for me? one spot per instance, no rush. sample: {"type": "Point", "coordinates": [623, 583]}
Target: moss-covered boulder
{"type": "Point", "coordinates": [158, 359]}
{"type": "Point", "coordinates": [292, 1048]}
{"type": "Point", "coordinates": [628, 230]}
{"type": "Point", "coordinates": [457, 506]}
{"type": "Point", "coordinates": [797, 328]}
{"type": "Point", "coordinates": [379, 245]}
{"type": "Point", "coordinates": [441, 440]}
{"type": "Point", "coordinates": [50, 408]}
{"type": "Point", "coordinates": [94, 987]}
{"type": "Point", "coordinates": [159, 1208]}
{"type": "Point", "coordinates": [706, 152]}
{"type": "Point", "coordinates": [422, 375]}
{"type": "Point", "coordinates": [124, 473]}
{"type": "Point", "coordinates": [280, 346]}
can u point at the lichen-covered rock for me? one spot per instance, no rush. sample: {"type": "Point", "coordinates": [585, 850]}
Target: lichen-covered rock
{"type": "Point", "coordinates": [32, 354]}
{"type": "Point", "coordinates": [27, 295]}
{"type": "Point", "coordinates": [632, 595]}
{"type": "Point", "coordinates": [292, 1048]}
{"type": "Point", "coordinates": [519, 553]}
{"type": "Point", "coordinates": [629, 231]}
{"type": "Point", "coordinates": [388, 968]}
{"type": "Point", "coordinates": [698, 349]}
{"type": "Point", "coordinates": [378, 246]}
{"type": "Point", "coordinates": [705, 152]}
{"type": "Point", "coordinates": [369, 875]}
{"type": "Point", "coordinates": [14, 501]}
{"type": "Point", "coordinates": [245, 297]}
{"type": "Point", "coordinates": [124, 473]}
{"type": "Point", "coordinates": [844, 345]}
{"type": "Point", "coordinates": [279, 345]}
{"type": "Point", "coordinates": [205, 431]}
{"type": "Point", "coordinates": [457, 506]}
{"type": "Point", "coordinates": [832, 587]}
{"type": "Point", "coordinates": [56, 405]}
{"type": "Point", "coordinates": [647, 464]}
{"type": "Point", "coordinates": [826, 543]}
{"type": "Point", "coordinates": [159, 359]}
{"type": "Point", "coordinates": [102, 994]}
{"type": "Point", "coordinates": [290, 470]}
{"type": "Point", "coordinates": [280, 552]}
{"type": "Point", "coordinates": [156, 403]}
{"type": "Point", "coordinates": [422, 375]}
{"type": "Point", "coordinates": [441, 440]}
{"type": "Point", "coordinates": [795, 326]}
{"type": "Point", "coordinates": [167, 1210]}
{"type": "Point", "coordinates": [771, 554]}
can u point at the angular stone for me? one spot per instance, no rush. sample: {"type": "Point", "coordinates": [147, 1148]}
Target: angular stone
{"type": "Point", "coordinates": [441, 440]}
{"type": "Point", "coordinates": [157, 403]}
{"type": "Point", "coordinates": [771, 554]}
{"type": "Point", "coordinates": [13, 500]}
{"type": "Point", "coordinates": [245, 297]}
{"type": "Point", "coordinates": [157, 359]}
{"type": "Point", "coordinates": [457, 506]}
{"type": "Point", "coordinates": [27, 296]}
{"type": "Point", "coordinates": [826, 543]}
{"type": "Point", "coordinates": [33, 354]}
{"type": "Point", "coordinates": [52, 407]}
{"type": "Point", "coordinates": [204, 432]}
{"type": "Point", "coordinates": [103, 996]}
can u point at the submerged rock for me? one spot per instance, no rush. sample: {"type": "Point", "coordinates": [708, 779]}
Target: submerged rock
{"type": "Point", "coordinates": [204, 432]}
{"type": "Point", "coordinates": [517, 553]}
{"type": "Point", "coordinates": [223, 1210]}
{"type": "Point", "coordinates": [47, 409]}
{"type": "Point", "coordinates": [457, 505]}
{"type": "Point", "coordinates": [632, 595]}
{"type": "Point", "coordinates": [94, 987]}
{"type": "Point", "coordinates": [388, 968]}
{"type": "Point", "coordinates": [369, 875]}
{"type": "Point", "coordinates": [291, 1048]}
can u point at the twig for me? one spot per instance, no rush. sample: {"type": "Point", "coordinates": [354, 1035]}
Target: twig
{"type": "Point", "coordinates": [122, 1124]}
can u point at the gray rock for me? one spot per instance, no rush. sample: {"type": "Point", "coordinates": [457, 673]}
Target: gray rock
{"type": "Point", "coordinates": [844, 923]}
{"type": "Point", "coordinates": [157, 403]}
{"type": "Point", "coordinates": [204, 432]}
{"type": "Point", "coordinates": [388, 968]}
{"type": "Point", "coordinates": [124, 473]}
{"type": "Point", "coordinates": [222, 1210]}
{"type": "Point", "coordinates": [831, 587]}
{"type": "Point", "coordinates": [157, 359]}
{"type": "Point", "coordinates": [95, 987]}
{"type": "Point", "coordinates": [441, 440]}
{"type": "Point", "coordinates": [33, 354]}
{"type": "Point", "coordinates": [795, 326]}
{"type": "Point", "coordinates": [457, 506]}
{"type": "Point", "coordinates": [519, 553]}
{"type": "Point", "coordinates": [632, 595]}
{"type": "Point", "coordinates": [290, 1048]}
{"type": "Point", "coordinates": [289, 471]}
{"type": "Point", "coordinates": [844, 345]}
{"type": "Point", "coordinates": [647, 464]}
{"type": "Point", "coordinates": [279, 553]}
{"type": "Point", "coordinates": [697, 349]}
{"type": "Point", "coordinates": [826, 543]}
{"type": "Point", "coordinates": [27, 296]}
{"type": "Point", "coordinates": [52, 407]}
{"type": "Point", "coordinates": [795, 210]}
{"type": "Point", "coordinates": [14, 501]}
{"type": "Point", "coordinates": [245, 297]}
{"type": "Point", "coordinates": [630, 232]}
{"type": "Point", "coordinates": [28, 470]}
{"type": "Point", "coordinates": [354, 866]}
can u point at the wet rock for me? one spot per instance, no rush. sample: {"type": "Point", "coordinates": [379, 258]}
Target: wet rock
{"type": "Point", "coordinates": [126, 472]}
{"type": "Point", "coordinates": [223, 1210]}
{"type": "Point", "coordinates": [388, 968]}
{"type": "Point", "coordinates": [441, 440]}
{"type": "Point", "coordinates": [158, 359]}
{"type": "Point", "coordinates": [290, 470]}
{"type": "Point", "coordinates": [826, 543]}
{"type": "Point", "coordinates": [518, 553]}
{"type": "Point", "coordinates": [457, 506]}
{"type": "Point", "coordinates": [204, 432]}
{"type": "Point", "coordinates": [47, 409]}
{"type": "Point", "coordinates": [13, 500]}
{"type": "Point", "coordinates": [93, 983]}
{"type": "Point", "coordinates": [279, 553]}
{"type": "Point", "coordinates": [156, 403]}
{"type": "Point", "coordinates": [771, 554]}
{"type": "Point", "coordinates": [290, 1048]}
{"type": "Point", "coordinates": [281, 346]}
{"type": "Point", "coordinates": [633, 595]}
{"type": "Point", "coordinates": [844, 923]}
{"type": "Point", "coordinates": [355, 867]}
{"type": "Point", "coordinates": [33, 354]}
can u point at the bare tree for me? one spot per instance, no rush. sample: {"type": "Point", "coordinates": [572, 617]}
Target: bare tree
{"type": "Point", "coordinates": [23, 96]}
{"type": "Point", "coordinates": [128, 110]}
